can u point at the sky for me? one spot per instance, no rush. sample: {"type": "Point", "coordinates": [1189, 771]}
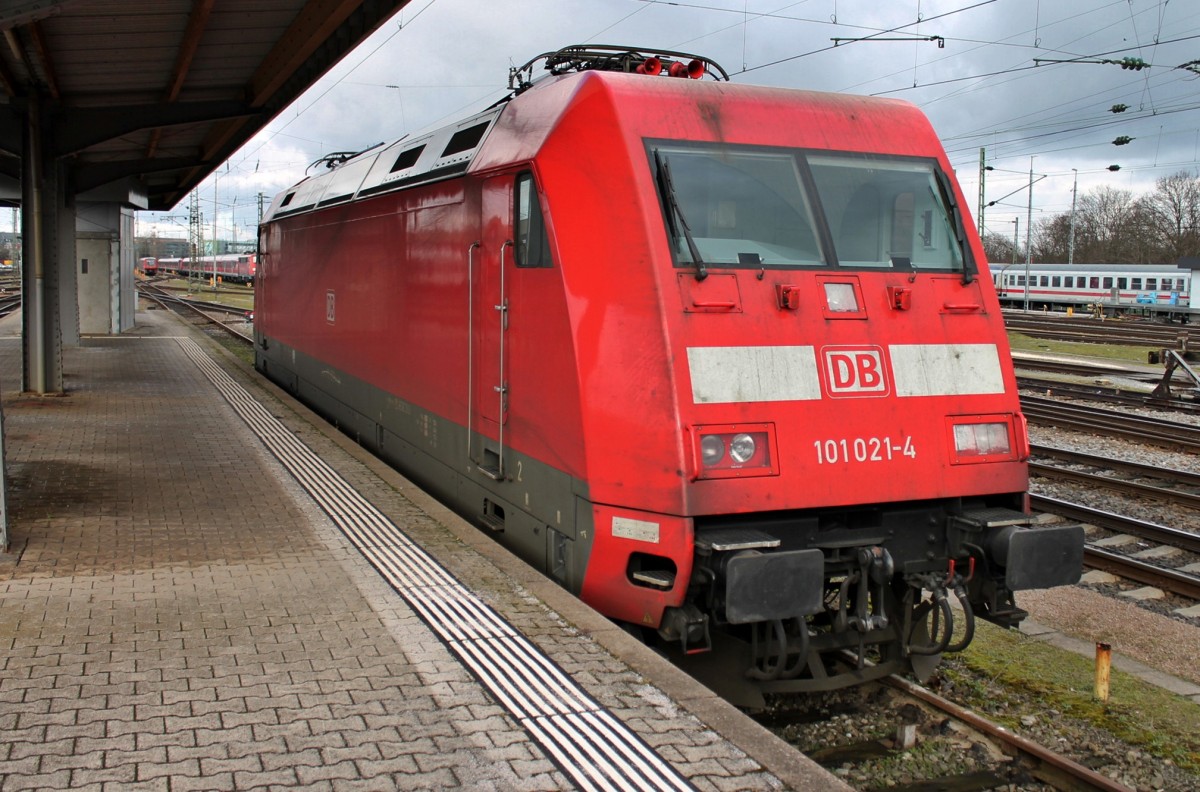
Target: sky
{"type": "Point", "coordinates": [1025, 80]}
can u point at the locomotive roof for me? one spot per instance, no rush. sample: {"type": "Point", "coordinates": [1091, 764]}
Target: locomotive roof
{"type": "Point", "coordinates": [454, 149]}
{"type": "Point", "coordinates": [439, 154]}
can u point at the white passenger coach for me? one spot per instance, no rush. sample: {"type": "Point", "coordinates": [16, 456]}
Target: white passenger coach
{"type": "Point", "coordinates": [1114, 288]}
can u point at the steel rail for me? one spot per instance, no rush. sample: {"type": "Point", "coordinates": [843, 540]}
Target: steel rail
{"type": "Point", "coordinates": [1163, 494]}
{"type": "Point", "coordinates": [1079, 369]}
{"type": "Point", "coordinates": [1109, 394]}
{"type": "Point", "coordinates": [1184, 540]}
{"type": "Point", "coordinates": [1185, 477]}
{"type": "Point", "coordinates": [10, 304]}
{"type": "Point", "coordinates": [1171, 580]}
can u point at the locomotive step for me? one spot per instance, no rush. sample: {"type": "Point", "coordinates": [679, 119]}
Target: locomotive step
{"type": "Point", "coordinates": [995, 518]}
{"type": "Point", "coordinates": [723, 539]}
{"type": "Point", "coordinates": [655, 577]}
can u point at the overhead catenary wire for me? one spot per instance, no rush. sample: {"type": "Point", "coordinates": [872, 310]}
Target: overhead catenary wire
{"type": "Point", "coordinates": [1057, 126]}
{"type": "Point", "coordinates": [1037, 30]}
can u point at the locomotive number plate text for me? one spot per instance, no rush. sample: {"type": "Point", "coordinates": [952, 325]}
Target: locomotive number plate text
{"type": "Point", "coordinates": [864, 449]}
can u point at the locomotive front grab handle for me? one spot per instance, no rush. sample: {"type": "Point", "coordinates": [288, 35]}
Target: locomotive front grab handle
{"type": "Point", "coordinates": [502, 388]}
{"type": "Point", "coordinates": [470, 343]}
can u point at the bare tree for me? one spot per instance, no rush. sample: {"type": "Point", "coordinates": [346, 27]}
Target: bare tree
{"type": "Point", "coordinates": [1104, 217]}
{"type": "Point", "coordinates": [1051, 239]}
{"type": "Point", "coordinates": [1113, 227]}
{"type": "Point", "coordinates": [1000, 250]}
{"type": "Point", "coordinates": [1172, 216]}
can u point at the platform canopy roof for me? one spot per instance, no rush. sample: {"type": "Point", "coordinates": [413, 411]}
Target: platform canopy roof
{"type": "Point", "coordinates": [163, 90]}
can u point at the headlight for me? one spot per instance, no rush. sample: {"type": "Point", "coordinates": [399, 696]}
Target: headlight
{"type": "Point", "coordinates": [712, 450]}
{"type": "Point", "coordinates": [742, 448]}
{"type": "Point", "coordinates": [735, 450]}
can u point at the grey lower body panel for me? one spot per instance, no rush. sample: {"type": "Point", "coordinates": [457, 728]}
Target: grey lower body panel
{"type": "Point", "coordinates": [432, 451]}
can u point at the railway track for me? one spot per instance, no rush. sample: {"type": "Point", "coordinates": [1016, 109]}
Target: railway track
{"type": "Point", "coordinates": [172, 284]}
{"type": "Point", "coordinates": [1157, 431]}
{"type": "Point", "coordinates": [1124, 332]}
{"type": "Point", "coordinates": [1175, 486]}
{"type": "Point", "coordinates": [1179, 583]}
{"type": "Point", "coordinates": [1080, 369]}
{"type": "Point", "coordinates": [206, 311]}
{"type": "Point", "coordinates": [1170, 580]}
{"type": "Point", "coordinates": [9, 303]}
{"type": "Point", "coordinates": [1102, 388]}
{"type": "Point", "coordinates": [998, 757]}
{"type": "Point", "coordinates": [1046, 765]}
{"type": "Point", "coordinates": [1107, 394]}
{"type": "Point", "coordinates": [1184, 540]}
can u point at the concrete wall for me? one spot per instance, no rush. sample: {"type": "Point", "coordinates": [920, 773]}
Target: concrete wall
{"type": "Point", "coordinates": [96, 279]}
{"type": "Point", "coordinates": [104, 264]}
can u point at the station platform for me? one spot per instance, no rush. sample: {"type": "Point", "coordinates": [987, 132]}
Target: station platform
{"type": "Point", "coordinates": [208, 587]}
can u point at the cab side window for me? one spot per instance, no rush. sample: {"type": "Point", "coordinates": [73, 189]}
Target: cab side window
{"type": "Point", "coordinates": [532, 243]}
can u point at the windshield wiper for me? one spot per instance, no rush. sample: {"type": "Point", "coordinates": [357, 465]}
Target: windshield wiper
{"type": "Point", "coordinates": [947, 191]}
{"type": "Point", "coordinates": [675, 212]}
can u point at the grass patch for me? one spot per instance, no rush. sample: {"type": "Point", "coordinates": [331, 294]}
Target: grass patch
{"type": "Point", "coordinates": [1126, 354]}
{"type": "Point", "coordinates": [243, 352]}
{"type": "Point", "coordinates": [1035, 677]}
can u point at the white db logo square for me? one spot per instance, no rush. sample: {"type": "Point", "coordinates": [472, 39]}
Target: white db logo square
{"type": "Point", "coordinates": [855, 371]}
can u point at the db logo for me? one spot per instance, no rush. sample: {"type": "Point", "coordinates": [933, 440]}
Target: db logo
{"type": "Point", "coordinates": [855, 371]}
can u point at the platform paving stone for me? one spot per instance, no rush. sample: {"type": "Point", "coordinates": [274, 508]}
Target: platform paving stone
{"type": "Point", "coordinates": [177, 614]}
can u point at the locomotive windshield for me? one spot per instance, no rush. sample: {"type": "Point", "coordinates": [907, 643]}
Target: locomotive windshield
{"type": "Point", "coordinates": [781, 208]}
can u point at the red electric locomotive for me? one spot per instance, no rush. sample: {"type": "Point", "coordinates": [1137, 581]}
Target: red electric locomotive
{"type": "Point", "coordinates": [723, 360]}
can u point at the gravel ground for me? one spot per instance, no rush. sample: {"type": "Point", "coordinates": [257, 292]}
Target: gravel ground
{"type": "Point", "coordinates": [944, 748]}
{"type": "Point", "coordinates": [1150, 632]}
{"type": "Point", "coordinates": [1164, 643]}
{"type": "Point", "coordinates": [1161, 642]}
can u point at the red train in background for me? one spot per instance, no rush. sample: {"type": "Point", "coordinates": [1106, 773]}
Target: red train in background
{"type": "Point", "coordinates": [148, 265]}
{"type": "Point", "coordinates": [723, 360]}
{"type": "Point", "coordinates": [229, 267]}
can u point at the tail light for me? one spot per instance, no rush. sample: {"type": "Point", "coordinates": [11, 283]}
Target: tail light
{"type": "Point", "coordinates": [983, 438]}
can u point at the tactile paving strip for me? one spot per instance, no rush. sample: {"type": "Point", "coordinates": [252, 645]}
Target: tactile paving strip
{"type": "Point", "coordinates": [587, 742]}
